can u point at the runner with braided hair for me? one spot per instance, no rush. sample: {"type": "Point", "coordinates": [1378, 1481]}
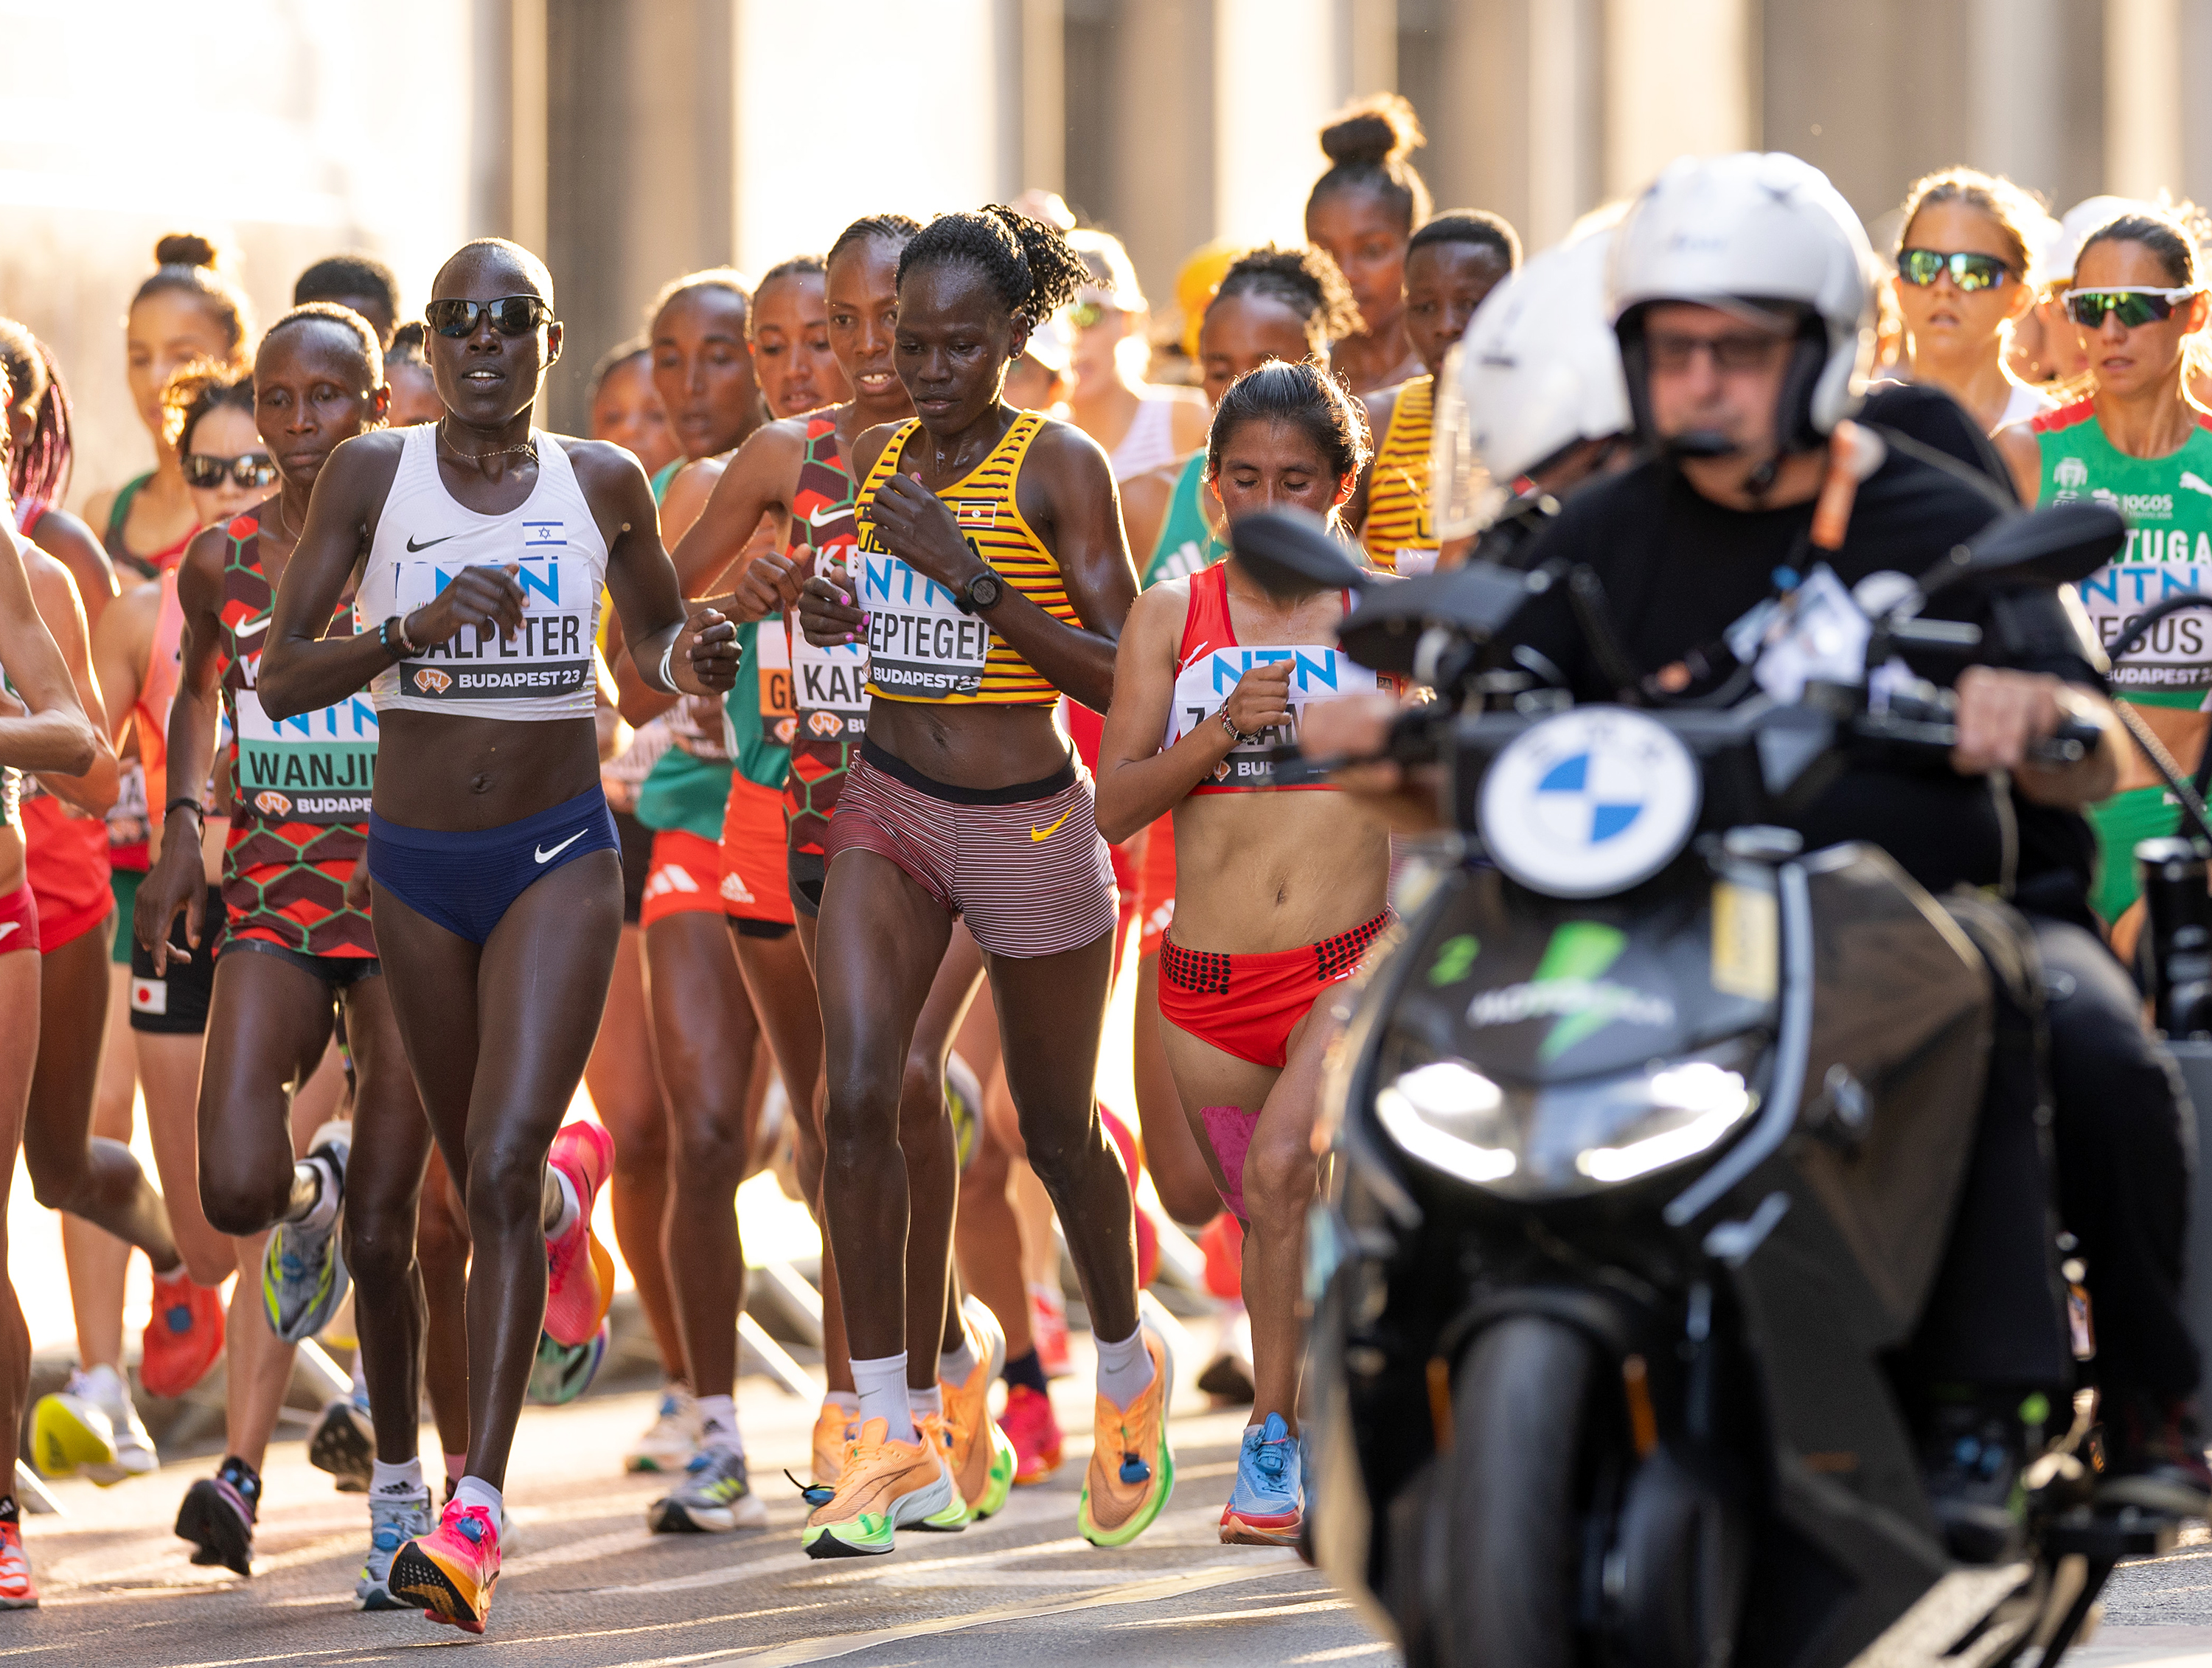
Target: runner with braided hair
{"type": "Point", "coordinates": [991, 574]}
{"type": "Point", "coordinates": [40, 446]}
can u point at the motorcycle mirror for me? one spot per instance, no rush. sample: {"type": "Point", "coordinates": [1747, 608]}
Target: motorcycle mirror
{"type": "Point", "coordinates": [2062, 545]}
{"type": "Point", "coordinates": [1479, 601]}
{"type": "Point", "coordinates": [1288, 550]}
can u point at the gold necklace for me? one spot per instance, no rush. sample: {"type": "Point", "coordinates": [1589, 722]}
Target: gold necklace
{"type": "Point", "coordinates": [526, 448]}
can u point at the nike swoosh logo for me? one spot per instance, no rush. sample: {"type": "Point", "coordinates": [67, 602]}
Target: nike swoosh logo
{"type": "Point", "coordinates": [8, 926]}
{"type": "Point", "coordinates": [545, 857]}
{"type": "Point", "coordinates": [823, 518]}
{"type": "Point", "coordinates": [412, 547]}
{"type": "Point", "coordinates": [251, 627]}
{"type": "Point", "coordinates": [1035, 833]}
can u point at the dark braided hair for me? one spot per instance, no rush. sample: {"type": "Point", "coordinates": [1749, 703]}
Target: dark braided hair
{"type": "Point", "coordinates": [330, 312]}
{"type": "Point", "coordinates": [1305, 280]}
{"type": "Point", "coordinates": [1478, 226]}
{"type": "Point", "coordinates": [39, 471]}
{"type": "Point", "coordinates": [896, 230]}
{"type": "Point", "coordinates": [187, 265]}
{"type": "Point", "coordinates": [1304, 394]}
{"type": "Point", "coordinates": [1367, 143]}
{"type": "Point", "coordinates": [1028, 263]}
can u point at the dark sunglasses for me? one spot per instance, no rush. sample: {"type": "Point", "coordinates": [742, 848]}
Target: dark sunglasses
{"type": "Point", "coordinates": [253, 469]}
{"type": "Point", "coordinates": [511, 315]}
{"type": "Point", "coordinates": [1969, 271]}
{"type": "Point", "coordinates": [2090, 307]}
{"type": "Point", "coordinates": [1736, 352]}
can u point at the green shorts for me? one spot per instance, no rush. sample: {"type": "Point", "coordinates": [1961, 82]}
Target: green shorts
{"type": "Point", "coordinates": [125, 882]}
{"type": "Point", "coordinates": [2122, 822]}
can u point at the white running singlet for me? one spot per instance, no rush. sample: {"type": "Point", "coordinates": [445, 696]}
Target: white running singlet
{"type": "Point", "coordinates": [425, 538]}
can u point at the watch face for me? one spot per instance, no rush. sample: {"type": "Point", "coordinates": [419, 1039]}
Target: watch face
{"type": "Point", "coordinates": [985, 590]}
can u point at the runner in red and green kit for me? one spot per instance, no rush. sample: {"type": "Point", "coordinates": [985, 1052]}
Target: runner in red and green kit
{"type": "Point", "coordinates": [2142, 444]}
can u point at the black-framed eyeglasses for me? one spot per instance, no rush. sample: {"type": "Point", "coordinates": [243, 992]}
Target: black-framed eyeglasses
{"type": "Point", "coordinates": [1970, 272]}
{"type": "Point", "coordinates": [249, 470]}
{"type": "Point", "coordinates": [511, 315]}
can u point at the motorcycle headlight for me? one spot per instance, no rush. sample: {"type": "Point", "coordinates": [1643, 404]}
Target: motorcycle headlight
{"type": "Point", "coordinates": [1557, 1140]}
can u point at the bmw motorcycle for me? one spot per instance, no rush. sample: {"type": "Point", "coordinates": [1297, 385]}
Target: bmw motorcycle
{"type": "Point", "coordinates": [1648, 1135]}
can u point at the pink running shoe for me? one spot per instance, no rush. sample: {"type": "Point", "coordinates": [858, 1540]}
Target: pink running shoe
{"type": "Point", "coordinates": [16, 1591]}
{"type": "Point", "coordinates": [1030, 1425]}
{"type": "Point", "coordinates": [1048, 1329]}
{"type": "Point", "coordinates": [451, 1571]}
{"type": "Point", "coordinates": [575, 1301]}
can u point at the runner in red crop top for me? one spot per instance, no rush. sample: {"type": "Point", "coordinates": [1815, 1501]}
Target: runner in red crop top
{"type": "Point", "coordinates": [1276, 897]}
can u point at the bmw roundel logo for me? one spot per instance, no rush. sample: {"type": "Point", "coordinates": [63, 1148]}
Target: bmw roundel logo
{"type": "Point", "coordinates": [1589, 802]}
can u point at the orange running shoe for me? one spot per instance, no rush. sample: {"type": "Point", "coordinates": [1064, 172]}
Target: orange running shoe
{"type": "Point", "coordinates": [1031, 1425]}
{"type": "Point", "coordinates": [981, 1457]}
{"type": "Point", "coordinates": [16, 1592]}
{"type": "Point", "coordinates": [833, 1428]}
{"type": "Point", "coordinates": [574, 1300]}
{"type": "Point", "coordinates": [184, 1335]}
{"type": "Point", "coordinates": [1132, 1467]}
{"type": "Point", "coordinates": [882, 1485]}
{"type": "Point", "coordinates": [451, 1571]}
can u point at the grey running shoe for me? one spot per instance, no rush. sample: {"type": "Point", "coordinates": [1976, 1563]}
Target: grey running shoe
{"type": "Point", "coordinates": [303, 1277]}
{"type": "Point", "coordinates": [713, 1498]}
{"type": "Point", "coordinates": [392, 1522]}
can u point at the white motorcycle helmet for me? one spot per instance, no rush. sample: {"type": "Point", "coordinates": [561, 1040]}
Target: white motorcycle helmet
{"type": "Point", "coordinates": [1538, 371]}
{"type": "Point", "coordinates": [1754, 230]}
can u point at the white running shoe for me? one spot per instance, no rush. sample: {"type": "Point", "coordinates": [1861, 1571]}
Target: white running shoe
{"type": "Point", "coordinates": [672, 1439]}
{"type": "Point", "coordinates": [90, 1426]}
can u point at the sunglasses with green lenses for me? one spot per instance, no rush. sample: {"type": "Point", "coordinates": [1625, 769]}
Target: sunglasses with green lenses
{"type": "Point", "coordinates": [1968, 272]}
{"type": "Point", "coordinates": [2090, 307]}
{"type": "Point", "coordinates": [511, 315]}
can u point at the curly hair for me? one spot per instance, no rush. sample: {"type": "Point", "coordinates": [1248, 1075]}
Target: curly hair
{"type": "Point", "coordinates": [1305, 280]}
{"type": "Point", "coordinates": [40, 470]}
{"type": "Point", "coordinates": [1303, 394]}
{"type": "Point", "coordinates": [197, 390]}
{"type": "Point", "coordinates": [1028, 264]}
{"type": "Point", "coordinates": [1367, 143]}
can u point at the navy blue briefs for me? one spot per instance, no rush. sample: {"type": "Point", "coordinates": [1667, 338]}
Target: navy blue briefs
{"type": "Point", "coordinates": [466, 881]}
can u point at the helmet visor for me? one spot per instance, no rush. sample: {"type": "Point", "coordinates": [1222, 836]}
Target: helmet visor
{"type": "Point", "coordinates": [1463, 499]}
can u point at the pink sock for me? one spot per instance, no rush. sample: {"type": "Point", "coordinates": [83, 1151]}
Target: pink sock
{"type": "Point", "coordinates": [1230, 1130]}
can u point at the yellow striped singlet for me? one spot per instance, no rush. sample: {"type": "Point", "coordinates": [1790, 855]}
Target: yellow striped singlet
{"type": "Point", "coordinates": [1398, 486]}
{"type": "Point", "coordinates": [922, 646]}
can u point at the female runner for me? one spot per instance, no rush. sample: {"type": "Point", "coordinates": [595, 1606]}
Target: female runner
{"type": "Point", "coordinates": [186, 310]}
{"type": "Point", "coordinates": [407, 373]}
{"type": "Point", "coordinates": [1363, 209]}
{"type": "Point", "coordinates": [1451, 264]}
{"type": "Point", "coordinates": [1283, 894]}
{"type": "Point", "coordinates": [292, 950]}
{"type": "Point", "coordinates": [795, 468]}
{"type": "Point", "coordinates": [626, 410]}
{"type": "Point", "coordinates": [43, 728]}
{"type": "Point", "coordinates": [491, 850]}
{"type": "Point", "coordinates": [1141, 426]}
{"type": "Point", "coordinates": [1963, 280]}
{"type": "Point", "coordinates": [966, 802]}
{"type": "Point", "coordinates": [2135, 301]}
{"type": "Point", "coordinates": [41, 447]}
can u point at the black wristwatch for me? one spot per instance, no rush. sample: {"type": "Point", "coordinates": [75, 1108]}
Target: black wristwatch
{"type": "Point", "coordinates": [984, 592]}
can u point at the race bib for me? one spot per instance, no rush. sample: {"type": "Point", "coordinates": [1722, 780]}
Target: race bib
{"type": "Point", "coordinates": [1316, 674]}
{"type": "Point", "coordinates": [772, 659]}
{"type": "Point", "coordinates": [320, 767]}
{"type": "Point", "coordinates": [920, 642]}
{"type": "Point", "coordinates": [551, 655]}
{"type": "Point", "coordinates": [2177, 656]}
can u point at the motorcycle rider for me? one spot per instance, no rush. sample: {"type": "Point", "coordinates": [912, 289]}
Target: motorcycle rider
{"type": "Point", "coordinates": [1744, 346]}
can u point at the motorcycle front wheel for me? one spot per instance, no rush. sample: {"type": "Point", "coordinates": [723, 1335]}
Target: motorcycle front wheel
{"type": "Point", "coordinates": [1514, 1497]}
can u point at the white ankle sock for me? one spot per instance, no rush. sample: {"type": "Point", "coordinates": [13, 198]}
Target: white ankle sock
{"type": "Point", "coordinates": [1125, 1369]}
{"type": "Point", "coordinates": [475, 1491]}
{"type": "Point", "coordinates": [920, 1402]}
{"type": "Point", "coordinates": [325, 1210]}
{"type": "Point", "coordinates": [406, 1479]}
{"type": "Point", "coordinates": [883, 1394]}
{"type": "Point", "coordinates": [955, 1366]}
{"type": "Point", "coordinates": [571, 1205]}
{"type": "Point", "coordinates": [718, 1425]}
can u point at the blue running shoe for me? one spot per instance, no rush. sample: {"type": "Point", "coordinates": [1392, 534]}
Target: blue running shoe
{"type": "Point", "coordinates": [1268, 1505]}
{"type": "Point", "coordinates": [303, 1277]}
{"type": "Point", "coordinates": [393, 1520]}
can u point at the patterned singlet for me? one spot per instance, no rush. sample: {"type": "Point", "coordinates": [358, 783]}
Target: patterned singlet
{"type": "Point", "coordinates": [301, 787]}
{"type": "Point", "coordinates": [830, 685]}
{"type": "Point", "coordinates": [1399, 535]}
{"type": "Point", "coordinates": [922, 644]}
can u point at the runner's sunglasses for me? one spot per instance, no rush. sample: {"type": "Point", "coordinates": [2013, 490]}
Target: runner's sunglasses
{"type": "Point", "coordinates": [2089, 308]}
{"type": "Point", "coordinates": [511, 315]}
{"type": "Point", "coordinates": [1969, 271]}
{"type": "Point", "coordinates": [251, 469]}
